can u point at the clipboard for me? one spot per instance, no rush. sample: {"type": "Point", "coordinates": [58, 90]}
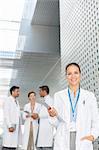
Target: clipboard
{"type": "Point", "coordinates": [28, 113]}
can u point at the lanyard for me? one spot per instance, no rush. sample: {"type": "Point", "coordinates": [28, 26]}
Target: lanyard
{"type": "Point", "coordinates": [73, 108]}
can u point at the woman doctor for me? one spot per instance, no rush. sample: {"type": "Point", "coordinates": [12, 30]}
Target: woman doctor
{"type": "Point", "coordinates": [30, 116]}
{"type": "Point", "coordinates": [78, 110]}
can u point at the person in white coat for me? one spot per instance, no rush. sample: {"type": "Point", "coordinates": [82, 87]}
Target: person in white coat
{"type": "Point", "coordinates": [45, 134]}
{"type": "Point", "coordinates": [78, 109]}
{"type": "Point", "coordinates": [11, 120]}
{"type": "Point", "coordinates": [30, 116]}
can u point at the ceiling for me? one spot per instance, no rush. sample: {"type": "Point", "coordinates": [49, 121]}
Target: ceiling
{"type": "Point", "coordinates": [28, 72]}
{"type": "Point", "coordinates": [29, 69]}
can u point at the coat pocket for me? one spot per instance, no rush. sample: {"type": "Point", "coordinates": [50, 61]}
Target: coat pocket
{"type": "Point", "coordinates": [86, 145]}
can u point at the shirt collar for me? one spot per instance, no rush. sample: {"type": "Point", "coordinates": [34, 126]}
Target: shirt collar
{"type": "Point", "coordinates": [12, 97]}
{"type": "Point", "coordinates": [72, 93]}
{"type": "Point", "coordinates": [46, 97]}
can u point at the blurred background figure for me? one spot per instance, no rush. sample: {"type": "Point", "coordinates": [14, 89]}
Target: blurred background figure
{"type": "Point", "coordinates": [11, 120]}
{"type": "Point", "coordinates": [45, 142]}
{"type": "Point", "coordinates": [30, 117]}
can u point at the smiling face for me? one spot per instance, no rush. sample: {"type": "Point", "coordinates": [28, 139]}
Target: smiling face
{"type": "Point", "coordinates": [32, 97]}
{"type": "Point", "coordinates": [73, 75]}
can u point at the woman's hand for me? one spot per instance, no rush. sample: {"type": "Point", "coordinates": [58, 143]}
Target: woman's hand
{"type": "Point", "coordinates": [35, 116]}
{"type": "Point", "coordinates": [52, 112]}
{"type": "Point", "coordinates": [11, 129]}
{"type": "Point", "coordinates": [90, 138]}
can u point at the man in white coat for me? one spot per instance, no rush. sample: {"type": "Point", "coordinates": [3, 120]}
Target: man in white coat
{"type": "Point", "coordinates": [11, 120]}
{"type": "Point", "coordinates": [45, 134]}
{"type": "Point", "coordinates": [78, 109]}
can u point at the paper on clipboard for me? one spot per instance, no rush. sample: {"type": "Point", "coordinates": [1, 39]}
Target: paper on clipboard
{"type": "Point", "coordinates": [49, 107]}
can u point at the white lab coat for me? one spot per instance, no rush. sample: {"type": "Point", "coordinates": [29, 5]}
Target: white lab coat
{"type": "Point", "coordinates": [11, 116]}
{"type": "Point", "coordinates": [87, 122]}
{"type": "Point", "coordinates": [45, 135]}
{"type": "Point", "coordinates": [27, 108]}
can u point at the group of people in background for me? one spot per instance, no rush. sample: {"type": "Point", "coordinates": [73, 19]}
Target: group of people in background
{"type": "Point", "coordinates": [38, 132]}
{"type": "Point", "coordinates": [72, 114]}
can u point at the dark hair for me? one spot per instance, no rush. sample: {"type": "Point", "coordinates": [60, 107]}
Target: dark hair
{"type": "Point", "coordinates": [75, 64]}
{"type": "Point", "coordinates": [45, 88]}
{"type": "Point", "coordinates": [13, 88]}
{"type": "Point", "coordinates": [31, 93]}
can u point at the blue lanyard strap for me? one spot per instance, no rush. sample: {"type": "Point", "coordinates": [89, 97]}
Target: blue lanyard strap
{"type": "Point", "coordinates": [73, 108]}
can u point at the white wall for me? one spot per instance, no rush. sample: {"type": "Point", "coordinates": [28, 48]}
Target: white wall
{"type": "Point", "coordinates": [40, 38]}
{"type": "Point", "coordinates": [38, 33]}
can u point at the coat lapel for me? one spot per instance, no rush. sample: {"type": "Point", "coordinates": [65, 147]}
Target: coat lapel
{"type": "Point", "coordinates": [81, 111]}
{"type": "Point", "coordinates": [66, 104]}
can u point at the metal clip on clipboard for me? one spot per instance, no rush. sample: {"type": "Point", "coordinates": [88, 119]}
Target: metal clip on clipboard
{"type": "Point", "coordinates": [28, 113]}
